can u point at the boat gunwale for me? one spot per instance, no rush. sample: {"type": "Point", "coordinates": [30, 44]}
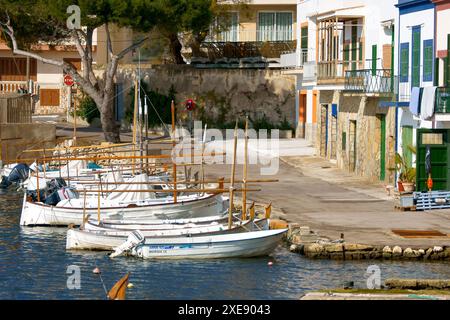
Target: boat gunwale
{"type": "Point", "coordinates": [180, 203]}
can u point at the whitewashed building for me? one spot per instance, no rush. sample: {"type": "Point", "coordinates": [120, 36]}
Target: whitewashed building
{"type": "Point", "coordinates": [345, 70]}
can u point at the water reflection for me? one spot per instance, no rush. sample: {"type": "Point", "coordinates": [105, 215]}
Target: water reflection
{"type": "Point", "coordinates": [33, 265]}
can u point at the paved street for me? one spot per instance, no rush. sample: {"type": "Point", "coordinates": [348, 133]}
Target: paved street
{"type": "Point", "coordinates": [313, 192]}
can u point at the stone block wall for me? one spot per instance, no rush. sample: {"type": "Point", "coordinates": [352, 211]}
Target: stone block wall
{"type": "Point", "coordinates": [222, 93]}
{"type": "Point", "coordinates": [365, 112]}
{"type": "Point", "coordinates": [17, 137]}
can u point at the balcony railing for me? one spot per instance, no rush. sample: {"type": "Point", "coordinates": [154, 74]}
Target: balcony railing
{"type": "Point", "coordinates": [252, 35]}
{"type": "Point", "coordinates": [294, 59]}
{"type": "Point", "coordinates": [369, 81]}
{"type": "Point", "coordinates": [442, 100]}
{"type": "Point", "coordinates": [14, 86]}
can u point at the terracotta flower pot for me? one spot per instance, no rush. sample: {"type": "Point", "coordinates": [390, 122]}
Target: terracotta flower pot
{"type": "Point", "coordinates": [409, 186]}
{"type": "Point", "coordinates": [400, 186]}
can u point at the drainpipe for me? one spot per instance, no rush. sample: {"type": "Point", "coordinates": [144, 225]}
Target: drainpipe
{"type": "Point", "coordinates": [397, 96]}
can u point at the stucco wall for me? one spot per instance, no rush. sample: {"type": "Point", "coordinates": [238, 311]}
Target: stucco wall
{"type": "Point", "coordinates": [231, 92]}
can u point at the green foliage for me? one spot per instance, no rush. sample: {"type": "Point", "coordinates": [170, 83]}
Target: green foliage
{"type": "Point", "coordinates": [405, 171]}
{"type": "Point", "coordinates": [88, 109]}
{"type": "Point", "coordinates": [158, 106]}
{"type": "Point", "coordinates": [285, 125]}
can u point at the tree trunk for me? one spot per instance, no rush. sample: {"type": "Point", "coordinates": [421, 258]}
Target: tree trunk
{"type": "Point", "coordinates": [175, 49]}
{"type": "Point", "coordinates": [110, 127]}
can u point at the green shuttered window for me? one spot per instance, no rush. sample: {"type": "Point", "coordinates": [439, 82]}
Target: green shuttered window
{"type": "Point", "coordinates": [404, 62]}
{"type": "Point", "coordinates": [415, 63]}
{"type": "Point", "coordinates": [428, 60]}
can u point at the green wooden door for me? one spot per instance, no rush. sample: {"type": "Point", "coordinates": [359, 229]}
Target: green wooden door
{"type": "Point", "coordinates": [415, 64]}
{"type": "Point", "coordinates": [439, 146]}
{"type": "Point", "coordinates": [382, 147]}
{"type": "Point", "coordinates": [407, 140]}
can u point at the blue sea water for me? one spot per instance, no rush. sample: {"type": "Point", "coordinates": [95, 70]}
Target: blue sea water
{"type": "Point", "coordinates": [34, 265]}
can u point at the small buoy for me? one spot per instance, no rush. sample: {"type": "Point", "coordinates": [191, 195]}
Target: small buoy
{"type": "Point", "coordinates": [270, 263]}
{"type": "Point", "coordinates": [130, 285]}
{"type": "Point", "coordinates": [96, 270]}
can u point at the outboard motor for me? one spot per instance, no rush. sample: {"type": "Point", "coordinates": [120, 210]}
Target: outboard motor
{"type": "Point", "coordinates": [61, 194]}
{"type": "Point", "coordinates": [19, 173]}
{"type": "Point", "coordinates": [5, 183]}
{"type": "Point", "coordinates": [55, 184]}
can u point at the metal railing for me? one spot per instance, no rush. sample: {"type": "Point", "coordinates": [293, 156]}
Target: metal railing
{"type": "Point", "coordinates": [442, 100]}
{"type": "Point", "coordinates": [369, 81]}
{"type": "Point", "coordinates": [252, 35]}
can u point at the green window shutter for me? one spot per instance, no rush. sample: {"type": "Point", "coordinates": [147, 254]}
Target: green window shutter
{"type": "Point", "coordinates": [354, 47]}
{"type": "Point", "coordinates": [447, 64]}
{"type": "Point", "coordinates": [415, 67]}
{"type": "Point", "coordinates": [374, 60]}
{"type": "Point", "coordinates": [404, 62]}
{"type": "Point", "coordinates": [428, 60]}
{"type": "Point", "coordinates": [304, 35]}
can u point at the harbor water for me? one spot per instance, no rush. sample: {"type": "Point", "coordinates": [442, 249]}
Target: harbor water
{"type": "Point", "coordinates": [35, 265]}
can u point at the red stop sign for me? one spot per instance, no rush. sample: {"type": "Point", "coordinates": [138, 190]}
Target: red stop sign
{"type": "Point", "coordinates": [68, 80]}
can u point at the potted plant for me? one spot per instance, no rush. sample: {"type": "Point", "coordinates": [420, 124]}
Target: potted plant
{"type": "Point", "coordinates": [407, 174]}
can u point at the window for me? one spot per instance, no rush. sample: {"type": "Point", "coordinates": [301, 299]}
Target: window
{"type": "Point", "coordinates": [428, 60]}
{"type": "Point", "coordinates": [404, 62]}
{"type": "Point", "coordinates": [415, 63]}
{"type": "Point", "coordinates": [231, 33]}
{"type": "Point", "coordinates": [275, 26]}
{"type": "Point", "coordinates": [432, 138]}
{"type": "Point", "coordinates": [15, 69]}
{"type": "Point", "coordinates": [49, 97]}
{"type": "Point", "coordinates": [304, 38]}
{"type": "Point", "coordinates": [344, 140]}
{"type": "Point", "coordinates": [225, 29]}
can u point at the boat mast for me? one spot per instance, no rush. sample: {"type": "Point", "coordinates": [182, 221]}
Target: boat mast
{"type": "Point", "coordinates": [233, 171]}
{"type": "Point", "coordinates": [244, 187]}
{"type": "Point", "coordinates": [174, 167]}
{"type": "Point", "coordinates": [135, 116]}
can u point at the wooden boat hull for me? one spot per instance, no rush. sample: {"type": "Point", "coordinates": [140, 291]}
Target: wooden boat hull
{"type": "Point", "coordinates": [241, 245]}
{"type": "Point", "coordinates": [38, 214]}
{"type": "Point", "coordinates": [107, 240]}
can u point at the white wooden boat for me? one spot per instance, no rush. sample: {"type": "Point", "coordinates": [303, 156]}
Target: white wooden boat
{"type": "Point", "coordinates": [187, 206]}
{"type": "Point", "coordinates": [235, 245]}
{"type": "Point", "coordinates": [108, 239]}
{"type": "Point", "coordinates": [166, 230]}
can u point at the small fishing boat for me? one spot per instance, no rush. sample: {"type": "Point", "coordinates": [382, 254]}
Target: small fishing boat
{"type": "Point", "coordinates": [234, 245]}
{"type": "Point", "coordinates": [108, 239]}
{"type": "Point", "coordinates": [64, 214]}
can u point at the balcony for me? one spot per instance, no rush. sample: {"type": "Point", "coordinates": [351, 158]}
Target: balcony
{"type": "Point", "coordinates": [245, 48]}
{"type": "Point", "coordinates": [7, 87]}
{"type": "Point", "coordinates": [368, 81]}
{"type": "Point", "coordinates": [442, 100]}
{"type": "Point", "coordinates": [294, 60]}
{"type": "Point", "coordinates": [333, 72]}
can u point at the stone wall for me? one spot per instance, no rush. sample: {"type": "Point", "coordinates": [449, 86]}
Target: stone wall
{"type": "Point", "coordinates": [365, 112]}
{"type": "Point", "coordinates": [15, 138]}
{"type": "Point", "coordinates": [222, 93]}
